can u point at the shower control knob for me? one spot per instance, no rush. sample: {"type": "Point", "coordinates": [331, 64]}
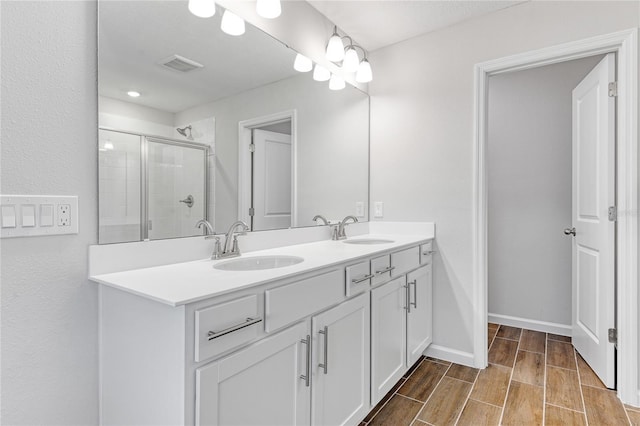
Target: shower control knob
{"type": "Point", "coordinates": [570, 231]}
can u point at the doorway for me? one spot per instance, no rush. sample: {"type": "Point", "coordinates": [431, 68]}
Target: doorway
{"type": "Point", "coordinates": [624, 45]}
{"type": "Point", "coordinates": [267, 178]}
{"type": "Point", "coordinates": [530, 176]}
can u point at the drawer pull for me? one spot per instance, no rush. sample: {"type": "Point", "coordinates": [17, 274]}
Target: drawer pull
{"type": "Point", "coordinates": [427, 253]}
{"type": "Point", "coordinates": [325, 365]}
{"type": "Point", "coordinates": [414, 283]}
{"type": "Point", "coordinates": [250, 321]}
{"type": "Point", "coordinates": [361, 279]}
{"type": "Point", "coordinates": [385, 270]}
{"type": "Point", "coordinates": [307, 377]}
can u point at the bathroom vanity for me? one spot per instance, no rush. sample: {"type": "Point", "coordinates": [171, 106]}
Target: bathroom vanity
{"type": "Point", "coordinates": [316, 342]}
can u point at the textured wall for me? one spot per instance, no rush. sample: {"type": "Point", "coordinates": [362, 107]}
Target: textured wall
{"type": "Point", "coordinates": [422, 129]}
{"type": "Point", "coordinates": [49, 134]}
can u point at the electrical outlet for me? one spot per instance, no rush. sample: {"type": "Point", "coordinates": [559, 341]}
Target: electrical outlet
{"type": "Point", "coordinates": [378, 209]}
{"type": "Point", "coordinates": [64, 215]}
{"type": "Point", "coordinates": [359, 209]}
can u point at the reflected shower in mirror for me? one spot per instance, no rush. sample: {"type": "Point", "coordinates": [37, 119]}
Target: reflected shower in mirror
{"type": "Point", "coordinates": [223, 129]}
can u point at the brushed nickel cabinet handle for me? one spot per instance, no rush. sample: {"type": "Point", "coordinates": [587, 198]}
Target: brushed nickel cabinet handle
{"type": "Point", "coordinates": [361, 279]}
{"type": "Point", "coordinates": [249, 321]}
{"type": "Point", "coordinates": [307, 377]}
{"type": "Point", "coordinates": [325, 364]}
{"type": "Point", "coordinates": [385, 270]}
{"type": "Point", "coordinates": [414, 283]}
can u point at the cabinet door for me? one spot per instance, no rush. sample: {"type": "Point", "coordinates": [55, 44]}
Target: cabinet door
{"type": "Point", "coordinates": [388, 336]}
{"type": "Point", "coordinates": [341, 364]}
{"type": "Point", "coordinates": [259, 385]}
{"type": "Point", "coordinates": [419, 314]}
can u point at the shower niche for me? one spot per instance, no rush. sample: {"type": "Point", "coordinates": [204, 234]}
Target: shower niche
{"type": "Point", "coordinates": [150, 187]}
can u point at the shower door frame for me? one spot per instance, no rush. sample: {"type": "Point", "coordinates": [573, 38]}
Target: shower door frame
{"type": "Point", "coordinates": [144, 175]}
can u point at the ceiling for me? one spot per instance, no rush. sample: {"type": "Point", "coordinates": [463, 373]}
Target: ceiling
{"type": "Point", "coordinates": [376, 24]}
{"type": "Point", "coordinates": [134, 36]}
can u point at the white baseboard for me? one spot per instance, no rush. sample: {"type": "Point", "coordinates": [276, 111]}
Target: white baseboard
{"type": "Point", "coordinates": [529, 324]}
{"type": "Point", "coordinates": [451, 355]}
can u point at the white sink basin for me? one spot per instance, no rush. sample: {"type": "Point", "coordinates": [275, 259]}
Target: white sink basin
{"type": "Point", "coordinates": [368, 241]}
{"type": "Point", "coordinates": [257, 263]}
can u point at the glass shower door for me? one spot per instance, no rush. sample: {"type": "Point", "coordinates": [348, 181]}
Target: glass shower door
{"type": "Point", "coordinates": [176, 189]}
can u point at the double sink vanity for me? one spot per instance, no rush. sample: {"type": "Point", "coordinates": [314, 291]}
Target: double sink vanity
{"type": "Point", "coordinates": [311, 333]}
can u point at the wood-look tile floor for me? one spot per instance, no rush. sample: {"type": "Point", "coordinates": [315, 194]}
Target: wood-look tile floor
{"type": "Point", "coordinates": [533, 378]}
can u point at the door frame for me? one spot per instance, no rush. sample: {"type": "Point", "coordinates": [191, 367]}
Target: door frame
{"type": "Point", "coordinates": [624, 44]}
{"type": "Point", "coordinates": [244, 161]}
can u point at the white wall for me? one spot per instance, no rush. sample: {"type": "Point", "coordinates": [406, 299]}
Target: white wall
{"type": "Point", "coordinates": [422, 129]}
{"type": "Point", "coordinates": [529, 179]}
{"type": "Point", "coordinates": [49, 133]}
{"type": "Point", "coordinates": [332, 145]}
{"type": "Point", "coordinates": [131, 117]}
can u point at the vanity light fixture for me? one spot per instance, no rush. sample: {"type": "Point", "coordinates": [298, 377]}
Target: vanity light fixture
{"type": "Point", "coordinates": [364, 73]}
{"type": "Point", "coordinates": [320, 73]}
{"type": "Point", "coordinates": [336, 82]}
{"type": "Point", "coordinates": [269, 8]}
{"type": "Point", "coordinates": [335, 48]}
{"type": "Point", "coordinates": [232, 24]}
{"type": "Point", "coordinates": [202, 8]}
{"type": "Point", "coordinates": [351, 60]}
{"type": "Point", "coordinates": [302, 63]}
{"type": "Point", "coordinates": [133, 94]}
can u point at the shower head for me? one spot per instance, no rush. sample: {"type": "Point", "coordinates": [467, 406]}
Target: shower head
{"type": "Point", "coordinates": [183, 132]}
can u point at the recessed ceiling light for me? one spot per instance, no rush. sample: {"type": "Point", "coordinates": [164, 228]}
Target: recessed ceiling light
{"type": "Point", "coordinates": [133, 94]}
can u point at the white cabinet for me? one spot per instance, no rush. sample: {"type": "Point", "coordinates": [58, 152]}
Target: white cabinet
{"type": "Point", "coordinates": [419, 312]}
{"type": "Point", "coordinates": [264, 384]}
{"type": "Point", "coordinates": [340, 381]}
{"type": "Point", "coordinates": [388, 336]}
{"type": "Point", "coordinates": [401, 327]}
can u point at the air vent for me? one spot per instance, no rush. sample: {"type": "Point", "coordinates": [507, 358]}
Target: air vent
{"type": "Point", "coordinates": [179, 63]}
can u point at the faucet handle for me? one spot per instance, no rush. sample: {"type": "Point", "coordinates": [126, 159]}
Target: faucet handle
{"type": "Point", "coordinates": [334, 232]}
{"type": "Point", "coordinates": [217, 249]}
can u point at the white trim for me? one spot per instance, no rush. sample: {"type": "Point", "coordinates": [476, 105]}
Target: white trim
{"type": "Point", "coordinates": [244, 160]}
{"type": "Point", "coordinates": [624, 44]}
{"type": "Point", "coordinates": [531, 324]}
{"type": "Point", "coordinates": [448, 354]}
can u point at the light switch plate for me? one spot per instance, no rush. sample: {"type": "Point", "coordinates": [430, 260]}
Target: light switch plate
{"type": "Point", "coordinates": [378, 209]}
{"type": "Point", "coordinates": [359, 209]}
{"type": "Point", "coordinates": [37, 215]}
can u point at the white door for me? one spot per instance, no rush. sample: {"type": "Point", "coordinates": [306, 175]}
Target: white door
{"type": "Point", "coordinates": [271, 180]}
{"type": "Point", "coordinates": [341, 364]}
{"type": "Point", "coordinates": [419, 314]}
{"type": "Point", "coordinates": [388, 336]}
{"type": "Point", "coordinates": [259, 385]}
{"type": "Point", "coordinates": [594, 236]}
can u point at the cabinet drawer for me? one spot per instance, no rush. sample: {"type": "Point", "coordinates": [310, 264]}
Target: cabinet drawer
{"type": "Point", "coordinates": [381, 269]}
{"type": "Point", "coordinates": [291, 302]}
{"type": "Point", "coordinates": [222, 327]}
{"type": "Point", "coordinates": [358, 278]}
{"type": "Point", "coordinates": [426, 250]}
{"type": "Point", "coordinates": [405, 260]}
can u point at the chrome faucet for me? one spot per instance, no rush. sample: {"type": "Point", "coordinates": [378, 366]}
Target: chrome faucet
{"type": "Point", "coordinates": [229, 249]}
{"type": "Point", "coordinates": [322, 218]}
{"type": "Point", "coordinates": [208, 234]}
{"type": "Point", "coordinates": [340, 235]}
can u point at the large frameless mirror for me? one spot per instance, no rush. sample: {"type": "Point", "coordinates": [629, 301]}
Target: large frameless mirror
{"type": "Point", "coordinates": [198, 124]}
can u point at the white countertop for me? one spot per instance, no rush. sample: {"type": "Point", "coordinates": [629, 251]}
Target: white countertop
{"type": "Point", "coordinates": [182, 283]}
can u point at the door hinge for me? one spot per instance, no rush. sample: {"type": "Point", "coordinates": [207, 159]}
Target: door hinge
{"type": "Point", "coordinates": [252, 147]}
{"type": "Point", "coordinates": [613, 336]}
{"type": "Point", "coordinates": [613, 89]}
{"type": "Point", "coordinates": [613, 213]}
{"type": "Point", "coordinates": [252, 211]}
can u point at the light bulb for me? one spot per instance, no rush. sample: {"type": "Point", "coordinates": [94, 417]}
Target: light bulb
{"type": "Point", "coordinates": [202, 8]}
{"type": "Point", "coordinates": [302, 63]}
{"type": "Point", "coordinates": [268, 8]}
{"type": "Point", "coordinates": [108, 146]}
{"type": "Point", "coordinates": [232, 24]}
{"type": "Point", "coordinates": [133, 94]}
{"type": "Point", "coordinates": [351, 60]}
{"type": "Point", "coordinates": [336, 82]}
{"type": "Point", "coordinates": [364, 74]}
{"type": "Point", "coordinates": [335, 48]}
{"type": "Point", "coordinates": [320, 73]}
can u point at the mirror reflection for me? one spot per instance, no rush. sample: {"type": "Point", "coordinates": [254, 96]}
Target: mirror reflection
{"type": "Point", "coordinates": [198, 124]}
